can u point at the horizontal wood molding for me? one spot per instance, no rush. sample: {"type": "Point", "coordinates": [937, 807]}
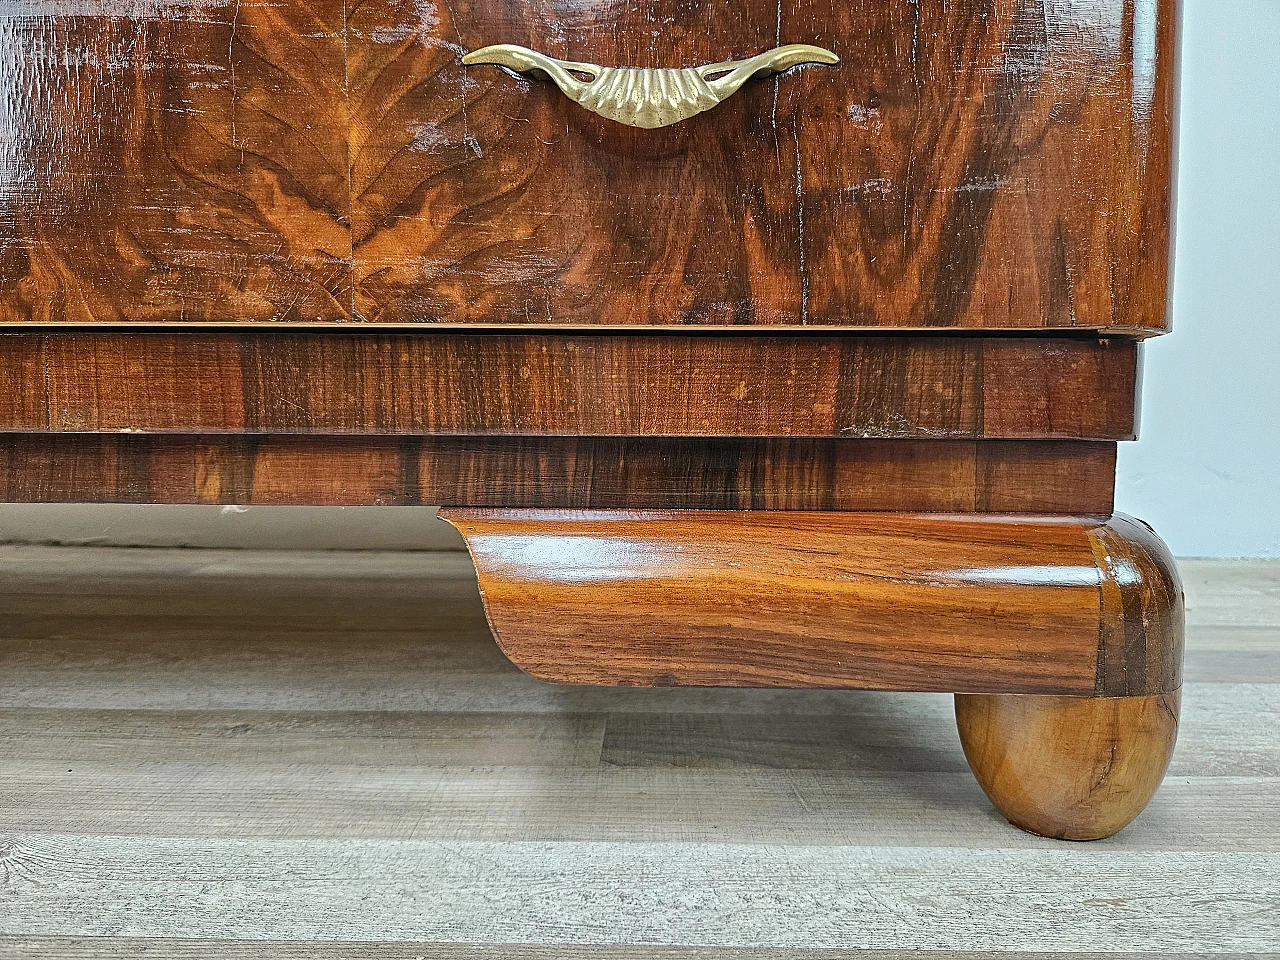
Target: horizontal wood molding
{"type": "Point", "coordinates": [880, 387]}
{"type": "Point", "coordinates": [1047, 476]}
{"type": "Point", "coordinates": [793, 599]}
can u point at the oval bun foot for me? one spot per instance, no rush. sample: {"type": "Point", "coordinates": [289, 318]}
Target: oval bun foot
{"type": "Point", "coordinates": [1067, 767]}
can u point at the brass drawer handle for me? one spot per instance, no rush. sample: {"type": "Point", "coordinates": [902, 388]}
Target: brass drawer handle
{"type": "Point", "coordinates": [649, 98]}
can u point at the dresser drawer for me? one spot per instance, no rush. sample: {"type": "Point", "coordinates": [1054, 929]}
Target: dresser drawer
{"type": "Point", "coordinates": [968, 164]}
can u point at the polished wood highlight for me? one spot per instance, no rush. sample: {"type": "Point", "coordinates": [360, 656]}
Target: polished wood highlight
{"type": "Point", "coordinates": [1043, 476]}
{"type": "Point", "coordinates": [1065, 767]}
{"type": "Point", "coordinates": [978, 604]}
{"type": "Point", "coordinates": [1143, 609]}
{"type": "Point", "coordinates": [607, 385]}
{"type": "Point", "coordinates": [971, 163]}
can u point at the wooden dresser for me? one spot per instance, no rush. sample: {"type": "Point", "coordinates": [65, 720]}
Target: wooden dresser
{"type": "Point", "coordinates": [796, 354]}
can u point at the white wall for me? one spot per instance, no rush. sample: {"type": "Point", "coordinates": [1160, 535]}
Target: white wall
{"type": "Point", "coordinates": [1205, 472]}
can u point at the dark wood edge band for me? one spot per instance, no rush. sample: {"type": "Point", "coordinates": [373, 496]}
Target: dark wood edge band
{"type": "Point", "coordinates": [951, 476]}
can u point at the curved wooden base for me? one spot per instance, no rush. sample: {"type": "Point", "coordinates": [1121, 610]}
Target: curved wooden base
{"type": "Point", "coordinates": [1069, 768]}
{"type": "Point", "coordinates": [1074, 606]}
{"type": "Point", "coordinates": [1060, 636]}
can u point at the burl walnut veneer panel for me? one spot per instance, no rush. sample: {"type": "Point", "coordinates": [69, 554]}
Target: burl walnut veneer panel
{"type": "Point", "coordinates": [879, 387]}
{"type": "Point", "coordinates": [173, 160]}
{"type": "Point", "coordinates": [970, 163]}
{"type": "Point", "coordinates": [1040, 476]}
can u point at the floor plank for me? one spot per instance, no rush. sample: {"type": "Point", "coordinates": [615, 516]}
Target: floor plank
{"type": "Point", "coordinates": [717, 894]}
{"type": "Point", "coordinates": [543, 804]}
{"type": "Point", "coordinates": [1227, 729]}
{"type": "Point", "coordinates": [1232, 592]}
{"type": "Point", "coordinates": [158, 948]}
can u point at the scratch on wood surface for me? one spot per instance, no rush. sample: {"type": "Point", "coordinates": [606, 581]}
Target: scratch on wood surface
{"type": "Point", "coordinates": [428, 137]}
{"type": "Point", "coordinates": [231, 59]}
{"type": "Point", "coordinates": [113, 9]}
{"type": "Point", "coordinates": [804, 266]}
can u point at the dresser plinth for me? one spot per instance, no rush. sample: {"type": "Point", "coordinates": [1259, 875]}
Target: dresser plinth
{"type": "Point", "coordinates": [1062, 637]}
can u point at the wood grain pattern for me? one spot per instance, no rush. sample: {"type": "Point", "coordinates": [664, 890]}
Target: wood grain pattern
{"type": "Point", "coordinates": [981, 164]}
{"type": "Point", "coordinates": [711, 893]}
{"type": "Point", "coordinates": [613, 385]}
{"type": "Point", "coordinates": [1038, 127]}
{"type": "Point", "coordinates": [604, 473]}
{"type": "Point", "coordinates": [1143, 610]}
{"type": "Point", "coordinates": [174, 160]}
{"type": "Point", "coordinates": [1069, 768]}
{"type": "Point", "coordinates": [887, 601]}
{"type": "Point", "coordinates": [1010, 404]}
{"type": "Point", "coordinates": [24, 396]}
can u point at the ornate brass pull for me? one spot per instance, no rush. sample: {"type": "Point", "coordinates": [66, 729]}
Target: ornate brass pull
{"type": "Point", "coordinates": [649, 98]}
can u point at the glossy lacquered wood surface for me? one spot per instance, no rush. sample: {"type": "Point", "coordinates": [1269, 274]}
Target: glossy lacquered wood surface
{"type": "Point", "coordinates": [605, 385]}
{"type": "Point", "coordinates": [880, 601]}
{"type": "Point", "coordinates": [1042, 476]}
{"type": "Point", "coordinates": [971, 163]}
{"type": "Point", "coordinates": [1143, 609]}
{"type": "Point", "coordinates": [1066, 767]}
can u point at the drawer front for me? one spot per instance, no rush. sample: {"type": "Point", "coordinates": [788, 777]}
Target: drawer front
{"type": "Point", "coordinates": [968, 164]}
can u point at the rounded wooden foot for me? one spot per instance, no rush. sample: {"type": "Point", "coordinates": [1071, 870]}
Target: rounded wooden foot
{"type": "Point", "coordinates": [1068, 767]}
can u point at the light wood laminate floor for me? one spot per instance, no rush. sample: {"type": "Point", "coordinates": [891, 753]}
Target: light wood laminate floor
{"type": "Point", "coordinates": [245, 754]}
